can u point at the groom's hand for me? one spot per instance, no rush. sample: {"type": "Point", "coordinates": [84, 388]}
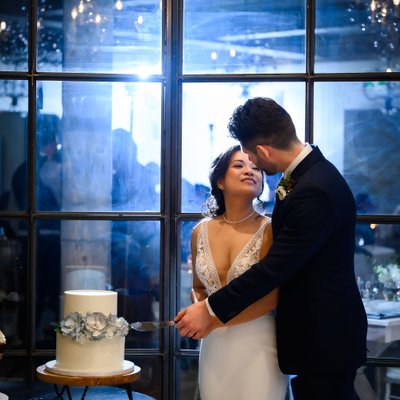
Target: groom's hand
{"type": "Point", "coordinates": [194, 321]}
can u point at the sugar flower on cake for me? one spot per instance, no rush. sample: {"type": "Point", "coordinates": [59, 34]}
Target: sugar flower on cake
{"type": "Point", "coordinates": [95, 324]}
{"type": "Point", "coordinates": [92, 326]}
{"type": "Point", "coordinates": [116, 326]}
{"type": "Point", "coordinates": [2, 338]}
{"type": "Point", "coordinates": [2, 344]}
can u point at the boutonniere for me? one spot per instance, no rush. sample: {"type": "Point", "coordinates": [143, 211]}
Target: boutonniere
{"type": "Point", "coordinates": [285, 187]}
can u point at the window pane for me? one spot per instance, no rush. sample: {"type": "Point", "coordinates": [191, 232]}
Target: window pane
{"type": "Point", "coordinates": [119, 255]}
{"type": "Point", "coordinates": [13, 145]}
{"type": "Point", "coordinates": [14, 35]}
{"type": "Point", "coordinates": [376, 244]}
{"type": "Point", "coordinates": [354, 37]}
{"type": "Point", "coordinates": [186, 278]}
{"type": "Point", "coordinates": [100, 36]}
{"type": "Point", "coordinates": [13, 282]}
{"type": "Point", "coordinates": [243, 37]}
{"type": "Point", "coordinates": [104, 158]}
{"type": "Point", "coordinates": [360, 135]}
{"type": "Point", "coordinates": [187, 371]}
{"type": "Point", "coordinates": [205, 133]}
{"type": "Point", "coordinates": [377, 268]}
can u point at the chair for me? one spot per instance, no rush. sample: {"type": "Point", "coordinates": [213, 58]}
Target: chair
{"type": "Point", "coordinates": [392, 378]}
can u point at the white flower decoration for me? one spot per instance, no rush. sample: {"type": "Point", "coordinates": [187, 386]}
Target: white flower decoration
{"type": "Point", "coordinates": [285, 187]}
{"type": "Point", "coordinates": [92, 326]}
{"type": "Point", "coordinates": [389, 275]}
{"type": "Point", "coordinates": [2, 338]}
{"type": "Point", "coordinates": [281, 192]}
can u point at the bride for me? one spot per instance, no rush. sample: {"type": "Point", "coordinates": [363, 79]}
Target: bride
{"type": "Point", "coordinates": [238, 360]}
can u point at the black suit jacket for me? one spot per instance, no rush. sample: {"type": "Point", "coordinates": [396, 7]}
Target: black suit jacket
{"type": "Point", "coordinates": [320, 318]}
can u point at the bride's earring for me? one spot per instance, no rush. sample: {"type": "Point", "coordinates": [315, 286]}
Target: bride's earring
{"type": "Point", "coordinates": [221, 187]}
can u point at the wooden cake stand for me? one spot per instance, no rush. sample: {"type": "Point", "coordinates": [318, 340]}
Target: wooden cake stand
{"type": "Point", "coordinates": [123, 380]}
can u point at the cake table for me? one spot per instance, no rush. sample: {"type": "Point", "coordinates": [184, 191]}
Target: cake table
{"type": "Point", "coordinates": [123, 380]}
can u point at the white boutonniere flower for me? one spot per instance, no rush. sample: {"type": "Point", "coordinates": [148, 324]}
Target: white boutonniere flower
{"type": "Point", "coordinates": [285, 187]}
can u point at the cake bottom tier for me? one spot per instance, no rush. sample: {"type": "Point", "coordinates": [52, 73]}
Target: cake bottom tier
{"type": "Point", "coordinates": [92, 358]}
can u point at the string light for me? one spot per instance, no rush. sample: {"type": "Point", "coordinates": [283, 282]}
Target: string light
{"type": "Point", "coordinates": [74, 13]}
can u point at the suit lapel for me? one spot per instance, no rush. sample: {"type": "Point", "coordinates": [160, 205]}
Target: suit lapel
{"type": "Point", "coordinates": [302, 168]}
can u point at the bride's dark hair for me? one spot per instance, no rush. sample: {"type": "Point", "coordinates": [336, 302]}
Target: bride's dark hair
{"type": "Point", "coordinates": [215, 204]}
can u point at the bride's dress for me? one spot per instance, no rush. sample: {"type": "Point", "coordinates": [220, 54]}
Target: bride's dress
{"type": "Point", "coordinates": [237, 362]}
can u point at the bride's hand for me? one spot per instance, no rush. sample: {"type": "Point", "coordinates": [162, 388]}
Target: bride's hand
{"type": "Point", "coordinates": [194, 321]}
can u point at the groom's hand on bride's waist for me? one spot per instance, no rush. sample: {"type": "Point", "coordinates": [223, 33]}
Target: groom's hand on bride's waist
{"type": "Point", "coordinates": [194, 321]}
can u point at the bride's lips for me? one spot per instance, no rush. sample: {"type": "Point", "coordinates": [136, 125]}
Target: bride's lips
{"type": "Point", "coordinates": [249, 180]}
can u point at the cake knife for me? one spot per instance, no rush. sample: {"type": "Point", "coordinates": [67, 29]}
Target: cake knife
{"type": "Point", "coordinates": [143, 326]}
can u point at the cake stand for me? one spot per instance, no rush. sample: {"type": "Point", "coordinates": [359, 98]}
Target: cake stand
{"type": "Point", "coordinates": [123, 380]}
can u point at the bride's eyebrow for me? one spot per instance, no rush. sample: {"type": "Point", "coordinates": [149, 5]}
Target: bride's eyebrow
{"type": "Point", "coordinates": [237, 160]}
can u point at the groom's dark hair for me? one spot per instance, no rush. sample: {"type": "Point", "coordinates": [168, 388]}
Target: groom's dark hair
{"type": "Point", "coordinates": [262, 121]}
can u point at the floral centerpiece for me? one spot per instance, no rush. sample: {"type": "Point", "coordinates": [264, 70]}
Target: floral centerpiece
{"type": "Point", "coordinates": [389, 275]}
{"type": "Point", "coordinates": [2, 344]}
{"type": "Point", "coordinates": [92, 326]}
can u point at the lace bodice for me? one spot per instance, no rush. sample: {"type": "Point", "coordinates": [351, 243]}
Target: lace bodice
{"type": "Point", "coordinates": [205, 267]}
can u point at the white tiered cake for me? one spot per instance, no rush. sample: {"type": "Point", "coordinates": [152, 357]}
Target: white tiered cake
{"type": "Point", "coordinates": [98, 357]}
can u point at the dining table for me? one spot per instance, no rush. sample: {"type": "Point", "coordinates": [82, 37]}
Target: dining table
{"type": "Point", "coordinates": [383, 330]}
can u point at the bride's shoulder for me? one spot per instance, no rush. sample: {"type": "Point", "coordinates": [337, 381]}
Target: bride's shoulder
{"type": "Point", "coordinates": [264, 219]}
{"type": "Point", "coordinates": [197, 227]}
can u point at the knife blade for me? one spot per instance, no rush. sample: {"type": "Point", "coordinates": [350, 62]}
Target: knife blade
{"type": "Point", "coordinates": [144, 326]}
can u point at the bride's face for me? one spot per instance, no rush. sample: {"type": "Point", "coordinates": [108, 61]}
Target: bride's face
{"type": "Point", "coordinates": [242, 176]}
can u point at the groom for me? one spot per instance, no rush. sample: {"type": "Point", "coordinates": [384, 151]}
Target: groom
{"type": "Point", "coordinates": [320, 319]}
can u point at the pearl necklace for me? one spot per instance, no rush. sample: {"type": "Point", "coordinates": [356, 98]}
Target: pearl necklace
{"type": "Point", "coordinates": [240, 220]}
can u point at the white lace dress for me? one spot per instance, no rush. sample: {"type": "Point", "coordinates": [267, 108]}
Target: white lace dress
{"type": "Point", "coordinates": [237, 362]}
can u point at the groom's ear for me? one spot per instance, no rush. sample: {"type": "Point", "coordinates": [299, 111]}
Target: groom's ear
{"type": "Point", "coordinates": [263, 151]}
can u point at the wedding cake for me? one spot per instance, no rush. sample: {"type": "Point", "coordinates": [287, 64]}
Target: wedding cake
{"type": "Point", "coordinates": [91, 338]}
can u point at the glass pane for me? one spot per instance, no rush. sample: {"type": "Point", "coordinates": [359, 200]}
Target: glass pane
{"type": "Point", "coordinates": [186, 278]}
{"type": "Point", "coordinates": [205, 133]}
{"type": "Point", "coordinates": [119, 255]}
{"type": "Point", "coordinates": [100, 36]}
{"type": "Point", "coordinates": [357, 36]}
{"type": "Point", "coordinates": [13, 144]}
{"type": "Point", "coordinates": [243, 37]}
{"type": "Point", "coordinates": [13, 282]}
{"type": "Point", "coordinates": [187, 368]}
{"type": "Point", "coordinates": [105, 158]}
{"type": "Point", "coordinates": [377, 382]}
{"type": "Point", "coordinates": [377, 268]}
{"type": "Point", "coordinates": [14, 35]}
{"type": "Point", "coordinates": [360, 135]}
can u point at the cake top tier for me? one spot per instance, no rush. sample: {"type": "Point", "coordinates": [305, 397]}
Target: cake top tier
{"type": "Point", "coordinates": [85, 301]}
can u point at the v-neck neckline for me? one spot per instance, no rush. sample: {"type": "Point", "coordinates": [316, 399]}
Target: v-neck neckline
{"type": "Point", "coordinates": [245, 248]}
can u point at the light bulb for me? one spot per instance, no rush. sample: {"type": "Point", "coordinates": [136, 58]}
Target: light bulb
{"type": "Point", "coordinates": [118, 5]}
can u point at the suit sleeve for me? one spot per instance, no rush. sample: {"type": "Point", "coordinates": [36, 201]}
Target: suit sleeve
{"type": "Point", "coordinates": [309, 221]}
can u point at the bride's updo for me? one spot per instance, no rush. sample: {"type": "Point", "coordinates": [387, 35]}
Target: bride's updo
{"type": "Point", "coordinates": [215, 204]}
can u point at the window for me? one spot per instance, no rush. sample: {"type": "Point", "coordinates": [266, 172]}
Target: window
{"type": "Point", "coordinates": [111, 112]}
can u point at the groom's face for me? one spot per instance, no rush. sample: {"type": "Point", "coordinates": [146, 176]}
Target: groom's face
{"type": "Point", "coordinates": [261, 159]}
